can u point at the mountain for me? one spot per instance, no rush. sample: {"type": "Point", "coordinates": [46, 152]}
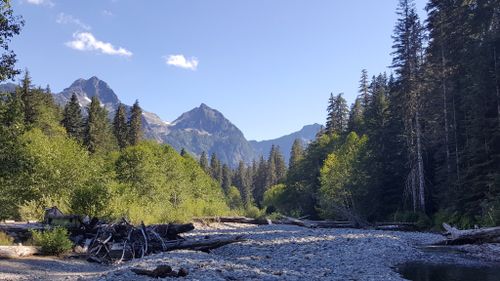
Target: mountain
{"type": "Point", "coordinates": [206, 129]}
{"type": "Point", "coordinates": [306, 135]}
{"type": "Point", "coordinates": [85, 89]}
{"type": "Point", "coordinates": [200, 129]}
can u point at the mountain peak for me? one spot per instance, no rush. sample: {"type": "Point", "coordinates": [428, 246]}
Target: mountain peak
{"type": "Point", "coordinates": [91, 87]}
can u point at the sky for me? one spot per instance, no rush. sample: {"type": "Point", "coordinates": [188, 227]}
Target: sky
{"type": "Point", "coordinates": [268, 65]}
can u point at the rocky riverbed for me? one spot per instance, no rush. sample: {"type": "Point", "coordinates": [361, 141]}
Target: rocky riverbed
{"type": "Point", "coordinates": [274, 252]}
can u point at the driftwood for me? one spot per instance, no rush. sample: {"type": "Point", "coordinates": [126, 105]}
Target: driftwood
{"type": "Point", "coordinates": [13, 252]}
{"type": "Point", "coordinates": [123, 241]}
{"type": "Point", "coordinates": [455, 236]}
{"type": "Point", "coordinates": [233, 220]}
{"type": "Point", "coordinates": [161, 271]}
{"type": "Point", "coordinates": [20, 231]}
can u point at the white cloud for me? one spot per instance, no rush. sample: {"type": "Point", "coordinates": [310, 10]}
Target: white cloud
{"type": "Point", "coordinates": [85, 41]}
{"type": "Point", "coordinates": [107, 13]}
{"type": "Point", "coordinates": [63, 18]}
{"type": "Point", "coordinates": [40, 2]}
{"type": "Point", "coordinates": [182, 62]}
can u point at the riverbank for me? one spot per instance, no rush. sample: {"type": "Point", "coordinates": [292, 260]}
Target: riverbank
{"type": "Point", "coordinates": [274, 252]}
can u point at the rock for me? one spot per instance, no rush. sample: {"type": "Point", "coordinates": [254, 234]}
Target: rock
{"type": "Point", "coordinates": [183, 272]}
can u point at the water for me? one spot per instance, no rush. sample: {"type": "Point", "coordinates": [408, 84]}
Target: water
{"type": "Point", "coordinates": [418, 271]}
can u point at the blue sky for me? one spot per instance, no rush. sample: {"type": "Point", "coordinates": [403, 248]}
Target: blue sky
{"type": "Point", "coordinates": [267, 65]}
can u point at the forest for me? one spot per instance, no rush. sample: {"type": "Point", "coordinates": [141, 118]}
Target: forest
{"type": "Point", "coordinates": [421, 144]}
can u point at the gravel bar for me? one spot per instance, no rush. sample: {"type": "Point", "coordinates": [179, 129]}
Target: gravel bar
{"type": "Point", "coordinates": [274, 252]}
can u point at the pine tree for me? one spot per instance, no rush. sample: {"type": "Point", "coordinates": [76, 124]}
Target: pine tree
{"type": "Point", "coordinates": [226, 179]}
{"type": "Point", "coordinates": [243, 183]}
{"type": "Point", "coordinates": [260, 181]}
{"type": "Point", "coordinates": [356, 117]}
{"type": "Point", "coordinates": [73, 119]}
{"type": "Point", "coordinates": [407, 62]}
{"type": "Point", "coordinates": [135, 124]}
{"type": "Point", "coordinates": [336, 122]}
{"type": "Point", "coordinates": [215, 168]}
{"type": "Point", "coordinates": [29, 100]}
{"type": "Point", "coordinates": [120, 128]}
{"type": "Point", "coordinates": [296, 154]}
{"type": "Point", "coordinates": [364, 91]}
{"type": "Point", "coordinates": [98, 134]}
{"type": "Point", "coordinates": [204, 163]}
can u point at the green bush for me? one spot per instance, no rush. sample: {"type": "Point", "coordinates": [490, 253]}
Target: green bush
{"type": "Point", "coordinates": [5, 240]}
{"type": "Point", "coordinates": [254, 212]}
{"type": "Point", "coordinates": [234, 199]}
{"type": "Point", "coordinates": [274, 197]}
{"type": "Point", "coordinates": [52, 242]}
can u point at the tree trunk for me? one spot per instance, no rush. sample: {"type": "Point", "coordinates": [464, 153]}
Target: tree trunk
{"type": "Point", "coordinates": [420, 164]}
{"type": "Point", "coordinates": [445, 111]}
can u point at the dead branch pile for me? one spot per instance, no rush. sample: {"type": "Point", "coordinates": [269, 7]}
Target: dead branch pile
{"type": "Point", "coordinates": [123, 241]}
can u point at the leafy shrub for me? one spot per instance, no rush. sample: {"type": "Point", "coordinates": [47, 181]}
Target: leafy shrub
{"type": "Point", "coordinates": [90, 200]}
{"type": "Point", "coordinates": [5, 240]}
{"type": "Point", "coordinates": [274, 197]}
{"type": "Point", "coordinates": [52, 242]}
{"type": "Point", "coordinates": [31, 211]}
{"type": "Point", "coordinates": [254, 212]}
{"type": "Point", "coordinates": [234, 199]}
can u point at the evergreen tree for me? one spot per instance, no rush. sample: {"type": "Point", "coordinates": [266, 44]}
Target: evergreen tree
{"type": "Point", "coordinates": [72, 118]}
{"type": "Point", "coordinates": [243, 183]}
{"type": "Point", "coordinates": [204, 162]}
{"type": "Point", "coordinates": [226, 178]}
{"type": "Point", "coordinates": [29, 99]}
{"type": "Point", "coordinates": [98, 134]}
{"type": "Point", "coordinates": [296, 154]}
{"type": "Point", "coordinates": [260, 181]}
{"type": "Point", "coordinates": [356, 119]}
{"type": "Point", "coordinates": [135, 124]}
{"type": "Point", "coordinates": [364, 89]}
{"type": "Point", "coordinates": [120, 128]}
{"type": "Point", "coordinates": [337, 117]}
{"type": "Point", "coordinates": [407, 62]}
{"type": "Point", "coordinates": [215, 168]}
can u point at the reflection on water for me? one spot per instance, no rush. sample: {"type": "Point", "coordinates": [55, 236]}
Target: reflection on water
{"type": "Point", "coordinates": [417, 271]}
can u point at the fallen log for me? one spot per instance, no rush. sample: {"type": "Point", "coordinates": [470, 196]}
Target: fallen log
{"type": "Point", "coordinates": [161, 271]}
{"type": "Point", "coordinates": [203, 245]}
{"type": "Point", "coordinates": [244, 220]}
{"type": "Point", "coordinates": [455, 236]}
{"type": "Point", "coordinates": [14, 252]}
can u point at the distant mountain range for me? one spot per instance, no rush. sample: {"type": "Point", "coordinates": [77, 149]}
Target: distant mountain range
{"type": "Point", "coordinates": [200, 129]}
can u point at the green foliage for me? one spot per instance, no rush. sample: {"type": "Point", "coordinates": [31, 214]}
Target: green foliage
{"type": "Point", "coordinates": [343, 182]}
{"type": "Point", "coordinates": [5, 240]}
{"type": "Point", "coordinates": [52, 242]}
{"type": "Point", "coordinates": [275, 198]}
{"type": "Point", "coordinates": [234, 199]}
{"type": "Point", "coordinates": [120, 128]}
{"type": "Point", "coordinates": [90, 199]}
{"type": "Point", "coordinates": [156, 184]}
{"type": "Point", "coordinates": [72, 118]}
{"type": "Point", "coordinates": [135, 124]}
{"type": "Point", "coordinates": [254, 212]}
{"type": "Point", "coordinates": [98, 135]}
{"type": "Point", "coordinates": [11, 26]}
